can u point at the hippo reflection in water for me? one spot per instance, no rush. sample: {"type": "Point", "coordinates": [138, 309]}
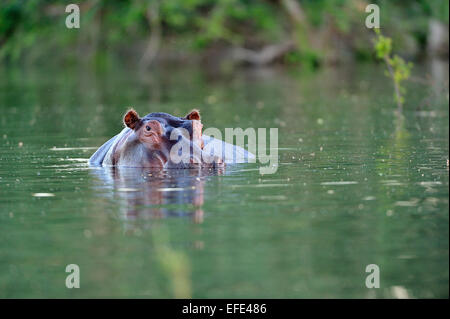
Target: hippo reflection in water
{"type": "Point", "coordinates": [161, 140]}
{"type": "Point", "coordinates": [146, 193]}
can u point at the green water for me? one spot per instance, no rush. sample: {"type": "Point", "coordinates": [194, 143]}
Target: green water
{"type": "Point", "coordinates": [357, 184]}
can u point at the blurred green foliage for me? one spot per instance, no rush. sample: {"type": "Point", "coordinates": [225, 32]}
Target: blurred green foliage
{"type": "Point", "coordinates": [398, 69]}
{"type": "Point", "coordinates": [35, 28]}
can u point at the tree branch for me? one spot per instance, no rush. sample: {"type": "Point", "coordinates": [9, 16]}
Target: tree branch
{"type": "Point", "coordinates": [265, 56]}
{"type": "Point", "coordinates": [150, 53]}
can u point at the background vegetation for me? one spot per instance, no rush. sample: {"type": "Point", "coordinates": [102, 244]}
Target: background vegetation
{"type": "Point", "coordinates": [222, 32]}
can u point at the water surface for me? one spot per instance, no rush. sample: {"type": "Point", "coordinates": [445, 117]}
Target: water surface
{"type": "Point", "coordinates": [357, 183]}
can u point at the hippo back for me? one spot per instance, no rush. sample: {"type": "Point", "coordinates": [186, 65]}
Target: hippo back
{"type": "Point", "coordinates": [231, 154]}
{"type": "Point", "coordinates": [98, 157]}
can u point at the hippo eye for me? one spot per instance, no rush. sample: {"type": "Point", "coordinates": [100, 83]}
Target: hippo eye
{"type": "Point", "coordinates": [148, 128]}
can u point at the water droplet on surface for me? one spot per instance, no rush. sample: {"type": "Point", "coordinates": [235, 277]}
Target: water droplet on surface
{"type": "Point", "coordinates": [43, 195]}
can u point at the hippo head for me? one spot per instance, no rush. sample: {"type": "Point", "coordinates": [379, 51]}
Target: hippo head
{"type": "Point", "coordinates": [155, 129]}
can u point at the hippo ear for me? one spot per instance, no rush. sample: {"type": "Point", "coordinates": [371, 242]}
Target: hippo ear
{"type": "Point", "coordinates": [131, 119]}
{"type": "Point", "coordinates": [193, 115]}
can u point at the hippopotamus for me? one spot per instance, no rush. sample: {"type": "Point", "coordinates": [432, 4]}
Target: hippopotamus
{"type": "Point", "coordinates": [161, 140]}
